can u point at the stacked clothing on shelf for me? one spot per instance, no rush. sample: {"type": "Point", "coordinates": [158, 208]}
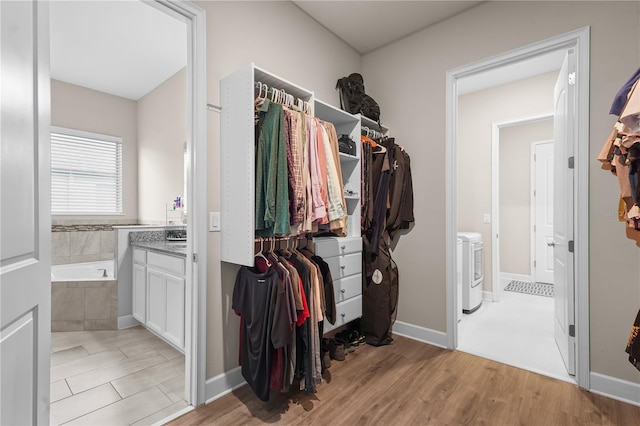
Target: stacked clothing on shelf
{"type": "Point", "coordinates": [387, 206]}
{"type": "Point", "coordinates": [621, 151]}
{"type": "Point", "coordinates": [282, 303]}
{"type": "Point", "coordinates": [298, 177]}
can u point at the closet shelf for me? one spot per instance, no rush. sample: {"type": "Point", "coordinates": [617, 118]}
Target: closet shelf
{"type": "Point", "coordinates": [237, 152]}
{"type": "Point", "coordinates": [348, 157]}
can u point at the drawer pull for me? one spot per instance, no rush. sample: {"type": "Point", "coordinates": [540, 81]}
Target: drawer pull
{"type": "Point", "coordinates": [343, 247]}
{"type": "Point", "coordinates": [342, 266]}
{"type": "Point", "coordinates": [342, 290]}
{"type": "Point", "coordinates": [343, 315]}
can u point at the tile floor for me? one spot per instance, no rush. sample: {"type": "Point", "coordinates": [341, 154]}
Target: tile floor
{"type": "Point", "coordinates": [517, 331]}
{"type": "Point", "coordinates": [118, 377]}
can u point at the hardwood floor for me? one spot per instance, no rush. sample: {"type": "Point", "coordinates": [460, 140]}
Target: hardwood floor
{"type": "Point", "coordinates": [411, 383]}
{"type": "Point", "coordinates": [117, 377]}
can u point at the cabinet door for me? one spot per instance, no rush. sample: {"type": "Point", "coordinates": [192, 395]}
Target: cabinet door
{"type": "Point", "coordinates": [155, 300]}
{"type": "Point", "coordinates": [139, 292]}
{"type": "Point", "coordinates": [174, 309]}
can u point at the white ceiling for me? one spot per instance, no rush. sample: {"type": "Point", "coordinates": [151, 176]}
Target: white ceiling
{"type": "Point", "coordinates": [368, 25]}
{"type": "Point", "coordinates": [126, 48]}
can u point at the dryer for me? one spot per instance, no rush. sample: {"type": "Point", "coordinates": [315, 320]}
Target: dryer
{"type": "Point", "coordinates": [471, 263]}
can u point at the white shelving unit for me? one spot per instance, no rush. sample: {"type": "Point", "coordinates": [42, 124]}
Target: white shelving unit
{"type": "Point", "coordinates": [238, 158]}
{"type": "Point", "coordinates": [343, 254]}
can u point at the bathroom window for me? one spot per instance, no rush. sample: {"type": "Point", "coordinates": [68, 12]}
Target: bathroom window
{"type": "Point", "coordinates": [86, 173]}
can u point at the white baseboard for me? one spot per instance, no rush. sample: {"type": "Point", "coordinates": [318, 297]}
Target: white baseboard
{"type": "Point", "coordinates": [487, 295]}
{"type": "Point", "coordinates": [127, 321]}
{"type": "Point", "coordinates": [614, 388]}
{"type": "Point", "coordinates": [506, 277]}
{"type": "Point", "coordinates": [222, 384]}
{"type": "Point", "coordinates": [421, 334]}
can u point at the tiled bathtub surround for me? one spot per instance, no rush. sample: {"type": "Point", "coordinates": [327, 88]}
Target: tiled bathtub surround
{"type": "Point", "coordinates": [84, 305]}
{"type": "Point", "coordinates": [81, 243]}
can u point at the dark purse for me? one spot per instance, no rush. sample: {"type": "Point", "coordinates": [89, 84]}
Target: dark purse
{"type": "Point", "coordinates": [346, 145]}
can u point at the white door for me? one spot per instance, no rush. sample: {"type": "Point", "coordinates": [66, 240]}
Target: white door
{"type": "Point", "coordinates": [543, 212]}
{"type": "Point", "coordinates": [25, 220]}
{"type": "Point", "coordinates": [564, 110]}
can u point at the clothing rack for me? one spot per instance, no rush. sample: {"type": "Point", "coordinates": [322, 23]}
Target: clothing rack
{"type": "Point", "coordinates": [280, 96]}
{"type": "Point", "coordinates": [370, 132]}
{"type": "Point", "coordinates": [272, 241]}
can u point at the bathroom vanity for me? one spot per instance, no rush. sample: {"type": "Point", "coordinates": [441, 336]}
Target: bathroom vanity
{"type": "Point", "coordinates": [158, 288]}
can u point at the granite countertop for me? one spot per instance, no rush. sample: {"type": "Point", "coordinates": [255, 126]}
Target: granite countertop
{"type": "Point", "coordinates": [174, 248]}
{"type": "Point", "coordinates": [157, 241]}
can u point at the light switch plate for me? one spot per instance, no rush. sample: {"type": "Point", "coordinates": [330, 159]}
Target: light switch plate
{"type": "Point", "coordinates": [214, 221]}
{"type": "Point", "coordinates": [486, 218]}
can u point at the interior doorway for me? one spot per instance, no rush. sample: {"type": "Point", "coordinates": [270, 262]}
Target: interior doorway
{"type": "Point", "coordinates": [577, 43]}
{"type": "Point", "coordinates": [187, 385]}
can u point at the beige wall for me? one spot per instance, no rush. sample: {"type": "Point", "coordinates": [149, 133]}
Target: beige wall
{"type": "Point", "coordinates": [84, 109]}
{"type": "Point", "coordinates": [282, 39]}
{"type": "Point", "coordinates": [515, 193]}
{"type": "Point", "coordinates": [162, 134]}
{"type": "Point", "coordinates": [476, 114]}
{"type": "Point", "coordinates": [407, 78]}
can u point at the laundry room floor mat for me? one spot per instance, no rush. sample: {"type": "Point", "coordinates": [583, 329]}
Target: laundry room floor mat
{"type": "Point", "coordinates": [538, 289]}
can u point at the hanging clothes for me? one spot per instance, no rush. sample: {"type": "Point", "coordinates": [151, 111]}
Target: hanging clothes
{"type": "Point", "coordinates": [387, 207]}
{"type": "Point", "coordinates": [621, 151]}
{"type": "Point", "coordinates": [282, 303]}
{"type": "Point", "coordinates": [298, 179]}
{"type": "Point", "coordinates": [259, 300]}
{"type": "Point", "coordinates": [272, 193]}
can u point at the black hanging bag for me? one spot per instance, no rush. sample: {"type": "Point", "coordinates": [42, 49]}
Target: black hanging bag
{"type": "Point", "coordinates": [353, 98]}
{"type": "Point", "coordinates": [346, 145]}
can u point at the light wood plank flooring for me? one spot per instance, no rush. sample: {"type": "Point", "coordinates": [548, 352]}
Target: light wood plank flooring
{"type": "Point", "coordinates": [118, 377]}
{"type": "Point", "coordinates": [411, 383]}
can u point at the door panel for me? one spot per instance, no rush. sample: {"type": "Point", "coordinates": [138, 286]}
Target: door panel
{"type": "Point", "coordinates": [543, 211]}
{"type": "Point", "coordinates": [25, 264]}
{"type": "Point", "coordinates": [155, 300]}
{"type": "Point", "coordinates": [564, 101]}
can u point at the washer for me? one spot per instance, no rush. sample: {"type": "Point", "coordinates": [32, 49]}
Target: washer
{"type": "Point", "coordinates": [472, 271]}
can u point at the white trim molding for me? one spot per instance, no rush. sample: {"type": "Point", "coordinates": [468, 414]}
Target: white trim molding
{"type": "Point", "coordinates": [578, 40]}
{"type": "Point", "coordinates": [421, 334]}
{"type": "Point", "coordinates": [615, 388]}
{"type": "Point", "coordinates": [222, 384]}
{"type": "Point", "coordinates": [127, 321]}
{"type": "Point", "coordinates": [195, 296]}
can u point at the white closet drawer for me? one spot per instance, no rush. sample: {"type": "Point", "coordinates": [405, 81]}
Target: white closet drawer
{"type": "Point", "coordinates": [333, 246]}
{"type": "Point", "coordinates": [343, 266]}
{"type": "Point", "coordinates": [139, 256]}
{"type": "Point", "coordinates": [346, 288]}
{"type": "Point", "coordinates": [172, 264]}
{"type": "Point", "coordinates": [345, 312]}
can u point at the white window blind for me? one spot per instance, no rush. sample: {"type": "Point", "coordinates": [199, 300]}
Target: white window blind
{"type": "Point", "coordinates": [86, 173]}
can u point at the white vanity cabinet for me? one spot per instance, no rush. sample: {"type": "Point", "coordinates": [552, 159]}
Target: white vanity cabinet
{"type": "Point", "coordinates": [159, 294]}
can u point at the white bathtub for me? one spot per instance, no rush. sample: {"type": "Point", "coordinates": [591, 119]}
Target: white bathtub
{"type": "Point", "coordinates": [88, 271]}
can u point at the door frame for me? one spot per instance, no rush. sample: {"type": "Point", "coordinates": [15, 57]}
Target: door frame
{"type": "Point", "coordinates": [534, 211]}
{"type": "Point", "coordinates": [495, 195]}
{"type": "Point", "coordinates": [196, 273]}
{"type": "Point", "coordinates": [578, 39]}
